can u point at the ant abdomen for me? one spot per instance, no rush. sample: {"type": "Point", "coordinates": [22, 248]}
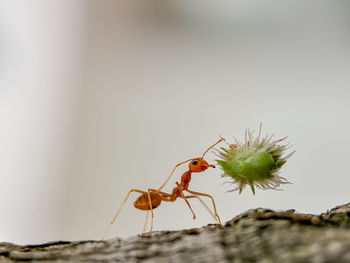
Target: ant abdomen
{"type": "Point", "coordinates": [142, 202]}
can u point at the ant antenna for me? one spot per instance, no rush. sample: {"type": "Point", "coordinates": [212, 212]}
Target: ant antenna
{"type": "Point", "coordinates": [166, 181]}
{"type": "Point", "coordinates": [221, 139]}
{"type": "Point", "coordinates": [160, 188]}
{"type": "Point", "coordinates": [224, 140]}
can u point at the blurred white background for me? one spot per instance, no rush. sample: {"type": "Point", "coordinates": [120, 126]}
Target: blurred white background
{"type": "Point", "coordinates": [98, 97]}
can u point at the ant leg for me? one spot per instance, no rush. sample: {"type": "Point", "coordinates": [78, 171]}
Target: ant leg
{"type": "Point", "coordinates": [151, 208]}
{"type": "Point", "coordinates": [146, 222]}
{"type": "Point", "coordinates": [120, 208]}
{"type": "Point", "coordinates": [202, 194]}
{"type": "Point", "coordinates": [164, 197]}
{"type": "Point", "coordinates": [184, 197]}
{"type": "Point", "coordinates": [168, 198]}
{"type": "Point", "coordinates": [150, 203]}
{"type": "Point", "coordinates": [194, 196]}
{"type": "Point", "coordinates": [166, 181]}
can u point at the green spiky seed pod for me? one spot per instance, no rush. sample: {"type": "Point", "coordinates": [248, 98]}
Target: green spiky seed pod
{"type": "Point", "coordinates": [255, 162]}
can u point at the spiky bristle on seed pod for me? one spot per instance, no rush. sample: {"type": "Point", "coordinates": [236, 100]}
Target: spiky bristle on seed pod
{"type": "Point", "coordinates": [255, 162]}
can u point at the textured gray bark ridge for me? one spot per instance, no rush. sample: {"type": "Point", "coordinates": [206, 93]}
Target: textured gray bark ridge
{"type": "Point", "coordinates": [258, 235]}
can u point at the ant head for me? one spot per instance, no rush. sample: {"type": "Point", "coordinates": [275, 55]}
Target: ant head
{"type": "Point", "coordinates": [199, 165]}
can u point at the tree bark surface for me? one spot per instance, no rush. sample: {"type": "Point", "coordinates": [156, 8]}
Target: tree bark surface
{"type": "Point", "coordinates": [258, 235]}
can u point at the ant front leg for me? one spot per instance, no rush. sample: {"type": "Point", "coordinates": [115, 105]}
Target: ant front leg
{"type": "Point", "coordinates": [184, 197]}
{"type": "Point", "coordinates": [172, 172]}
{"type": "Point", "coordinates": [202, 194]}
{"type": "Point", "coordinates": [200, 200]}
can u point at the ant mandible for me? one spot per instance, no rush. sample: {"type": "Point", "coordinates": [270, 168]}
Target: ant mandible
{"type": "Point", "coordinates": [152, 198]}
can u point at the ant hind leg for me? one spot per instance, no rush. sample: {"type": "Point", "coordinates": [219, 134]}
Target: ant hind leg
{"type": "Point", "coordinates": [120, 208]}
{"type": "Point", "coordinates": [146, 222]}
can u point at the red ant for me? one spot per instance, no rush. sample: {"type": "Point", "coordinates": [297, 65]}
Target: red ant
{"type": "Point", "coordinates": [152, 198]}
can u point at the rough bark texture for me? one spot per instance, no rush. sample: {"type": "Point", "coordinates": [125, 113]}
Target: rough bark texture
{"type": "Point", "coordinates": [258, 235]}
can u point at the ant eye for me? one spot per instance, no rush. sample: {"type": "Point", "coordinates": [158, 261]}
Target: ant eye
{"type": "Point", "coordinates": [194, 162]}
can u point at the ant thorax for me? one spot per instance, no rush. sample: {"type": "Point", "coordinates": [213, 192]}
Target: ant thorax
{"type": "Point", "coordinates": [185, 180]}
